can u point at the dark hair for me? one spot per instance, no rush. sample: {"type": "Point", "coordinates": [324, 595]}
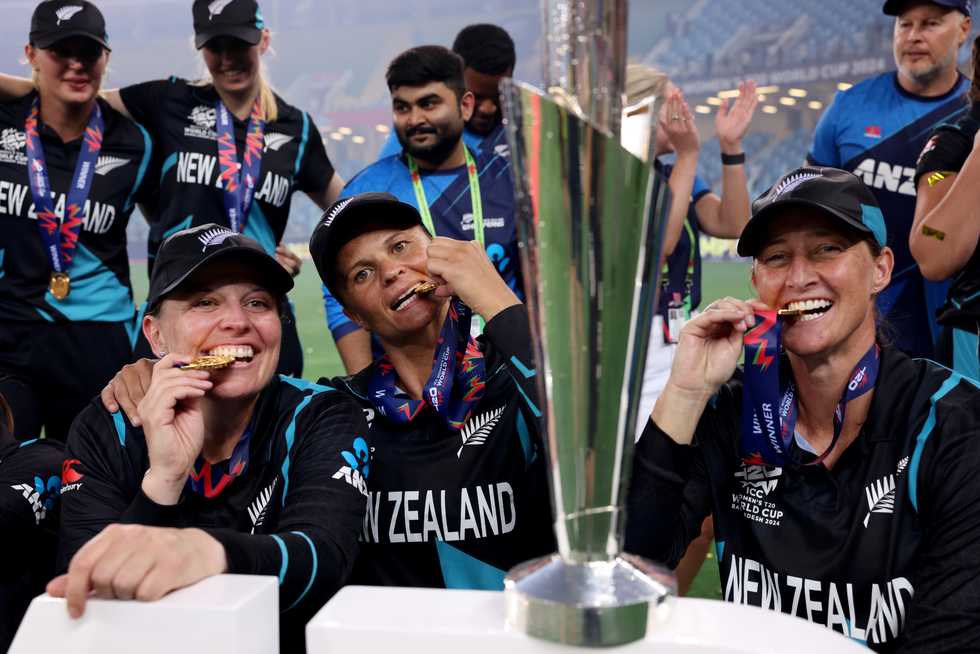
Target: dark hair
{"type": "Point", "coordinates": [424, 65]}
{"type": "Point", "coordinates": [974, 92]}
{"type": "Point", "coordinates": [6, 418]}
{"type": "Point", "coordinates": [486, 48]}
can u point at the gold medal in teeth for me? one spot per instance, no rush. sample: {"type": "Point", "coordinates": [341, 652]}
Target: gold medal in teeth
{"type": "Point", "coordinates": [425, 287]}
{"type": "Point", "coordinates": [210, 362]}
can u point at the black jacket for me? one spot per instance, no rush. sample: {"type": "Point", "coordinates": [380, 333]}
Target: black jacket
{"type": "Point", "coordinates": [287, 515]}
{"type": "Point", "coordinates": [882, 547]}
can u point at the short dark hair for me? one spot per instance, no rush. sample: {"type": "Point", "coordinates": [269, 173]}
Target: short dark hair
{"type": "Point", "coordinates": [426, 64]}
{"type": "Point", "coordinates": [486, 48]}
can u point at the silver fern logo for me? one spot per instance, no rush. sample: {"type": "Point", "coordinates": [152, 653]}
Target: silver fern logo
{"type": "Point", "coordinates": [257, 509]}
{"type": "Point", "coordinates": [216, 7]}
{"type": "Point", "coordinates": [275, 140]}
{"type": "Point", "coordinates": [881, 493]}
{"type": "Point", "coordinates": [214, 236]}
{"type": "Point", "coordinates": [792, 182]}
{"type": "Point", "coordinates": [106, 164]}
{"type": "Point", "coordinates": [65, 13]}
{"type": "Point", "coordinates": [329, 218]}
{"type": "Point", "coordinates": [478, 428]}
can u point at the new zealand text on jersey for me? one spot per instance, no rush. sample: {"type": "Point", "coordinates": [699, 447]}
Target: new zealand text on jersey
{"type": "Point", "coordinates": [419, 516]}
{"type": "Point", "coordinates": [199, 168]}
{"type": "Point", "coordinates": [14, 198]}
{"type": "Point", "coordinates": [876, 615]}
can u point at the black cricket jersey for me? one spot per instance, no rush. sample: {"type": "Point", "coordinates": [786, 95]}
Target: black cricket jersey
{"type": "Point", "coordinates": [181, 117]}
{"type": "Point", "coordinates": [882, 547]}
{"type": "Point", "coordinates": [458, 508]}
{"type": "Point", "coordinates": [30, 476]}
{"type": "Point", "coordinates": [286, 515]}
{"type": "Point", "coordinates": [123, 176]}
{"type": "Point", "coordinates": [946, 151]}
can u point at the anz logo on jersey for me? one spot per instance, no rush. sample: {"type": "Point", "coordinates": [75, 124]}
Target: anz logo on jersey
{"type": "Point", "coordinates": [358, 466]}
{"type": "Point", "coordinates": [883, 175]}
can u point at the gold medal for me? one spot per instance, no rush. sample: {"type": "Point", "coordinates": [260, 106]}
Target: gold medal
{"type": "Point", "coordinates": [60, 285]}
{"type": "Point", "coordinates": [209, 362]}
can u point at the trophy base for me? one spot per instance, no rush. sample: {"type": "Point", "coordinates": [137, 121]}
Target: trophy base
{"type": "Point", "coordinates": [593, 604]}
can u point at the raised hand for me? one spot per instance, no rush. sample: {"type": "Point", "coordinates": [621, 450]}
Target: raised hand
{"type": "Point", "coordinates": [732, 122]}
{"type": "Point", "coordinates": [173, 425]}
{"type": "Point", "coordinates": [677, 121]}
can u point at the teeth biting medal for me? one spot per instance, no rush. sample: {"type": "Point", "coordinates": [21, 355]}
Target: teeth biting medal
{"type": "Point", "coordinates": [209, 362]}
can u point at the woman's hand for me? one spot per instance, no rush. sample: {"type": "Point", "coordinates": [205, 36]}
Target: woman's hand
{"type": "Point", "coordinates": [288, 260]}
{"type": "Point", "coordinates": [127, 388]}
{"type": "Point", "coordinates": [677, 121]}
{"type": "Point", "coordinates": [173, 425]}
{"type": "Point", "coordinates": [706, 356]}
{"type": "Point", "coordinates": [137, 562]}
{"type": "Point", "coordinates": [731, 124]}
{"type": "Point", "coordinates": [462, 268]}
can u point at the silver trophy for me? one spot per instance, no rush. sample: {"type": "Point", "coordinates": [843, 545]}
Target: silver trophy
{"type": "Point", "coordinates": [590, 219]}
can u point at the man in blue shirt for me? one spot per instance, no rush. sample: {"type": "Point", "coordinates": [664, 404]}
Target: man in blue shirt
{"type": "Point", "coordinates": [489, 56]}
{"type": "Point", "coordinates": [460, 193]}
{"type": "Point", "coordinates": [877, 129]}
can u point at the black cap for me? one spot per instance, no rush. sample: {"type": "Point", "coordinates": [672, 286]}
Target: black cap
{"type": "Point", "coordinates": [186, 251]}
{"type": "Point", "coordinates": [350, 217]}
{"type": "Point", "coordinates": [54, 20]}
{"type": "Point", "coordinates": [896, 7]}
{"type": "Point", "coordinates": [837, 192]}
{"type": "Point", "coordinates": [241, 19]}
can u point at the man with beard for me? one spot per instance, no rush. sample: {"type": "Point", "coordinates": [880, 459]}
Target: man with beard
{"type": "Point", "coordinates": [488, 56]}
{"type": "Point", "coordinates": [461, 194]}
{"type": "Point", "coordinates": [877, 129]}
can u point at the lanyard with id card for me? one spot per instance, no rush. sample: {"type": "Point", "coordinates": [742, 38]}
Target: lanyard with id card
{"type": "Point", "coordinates": [679, 304]}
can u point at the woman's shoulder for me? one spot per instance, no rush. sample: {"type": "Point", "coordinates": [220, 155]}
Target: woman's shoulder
{"type": "Point", "coordinates": [917, 393]}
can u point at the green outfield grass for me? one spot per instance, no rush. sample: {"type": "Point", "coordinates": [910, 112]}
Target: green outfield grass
{"type": "Point", "coordinates": [321, 359]}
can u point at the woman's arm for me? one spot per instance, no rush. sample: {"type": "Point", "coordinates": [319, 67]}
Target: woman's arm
{"type": "Point", "coordinates": [946, 226]}
{"type": "Point", "coordinates": [725, 217]}
{"type": "Point", "coordinates": [13, 87]}
{"type": "Point", "coordinates": [677, 122]}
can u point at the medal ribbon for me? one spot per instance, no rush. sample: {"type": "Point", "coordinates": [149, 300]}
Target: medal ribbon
{"type": "Point", "coordinates": [60, 239]}
{"type": "Point", "coordinates": [457, 381]}
{"type": "Point", "coordinates": [239, 188]}
{"type": "Point", "coordinates": [769, 415]}
{"type": "Point", "coordinates": [476, 199]}
{"type": "Point", "coordinates": [202, 475]}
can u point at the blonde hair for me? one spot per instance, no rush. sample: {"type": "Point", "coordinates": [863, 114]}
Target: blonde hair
{"type": "Point", "coordinates": [643, 81]}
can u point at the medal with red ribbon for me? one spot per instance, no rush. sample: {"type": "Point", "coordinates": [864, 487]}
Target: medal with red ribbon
{"type": "Point", "coordinates": [457, 381]}
{"type": "Point", "coordinates": [60, 237]}
{"type": "Point", "coordinates": [768, 413]}
{"type": "Point", "coordinates": [238, 182]}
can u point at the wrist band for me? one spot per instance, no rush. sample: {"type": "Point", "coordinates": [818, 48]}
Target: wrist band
{"type": "Point", "coordinates": [732, 159]}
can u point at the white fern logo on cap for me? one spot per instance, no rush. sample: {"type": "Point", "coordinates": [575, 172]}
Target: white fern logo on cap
{"type": "Point", "coordinates": [792, 182]}
{"type": "Point", "coordinates": [216, 7]}
{"type": "Point", "coordinates": [214, 236]}
{"type": "Point", "coordinates": [65, 13]}
{"type": "Point", "coordinates": [336, 210]}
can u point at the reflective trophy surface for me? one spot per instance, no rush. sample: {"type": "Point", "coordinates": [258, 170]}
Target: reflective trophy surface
{"type": "Point", "coordinates": [590, 221]}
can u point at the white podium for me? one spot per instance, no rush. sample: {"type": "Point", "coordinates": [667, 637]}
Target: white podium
{"type": "Point", "coordinates": [229, 613]}
{"type": "Point", "coordinates": [372, 619]}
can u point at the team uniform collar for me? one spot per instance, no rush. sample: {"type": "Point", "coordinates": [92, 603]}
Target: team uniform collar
{"type": "Point", "coordinates": [954, 91]}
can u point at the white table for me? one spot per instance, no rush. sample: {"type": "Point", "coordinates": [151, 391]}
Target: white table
{"type": "Point", "coordinates": [371, 619]}
{"type": "Point", "coordinates": [227, 613]}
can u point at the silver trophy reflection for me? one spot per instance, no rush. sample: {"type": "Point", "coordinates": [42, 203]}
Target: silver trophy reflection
{"type": "Point", "coordinates": [590, 218]}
